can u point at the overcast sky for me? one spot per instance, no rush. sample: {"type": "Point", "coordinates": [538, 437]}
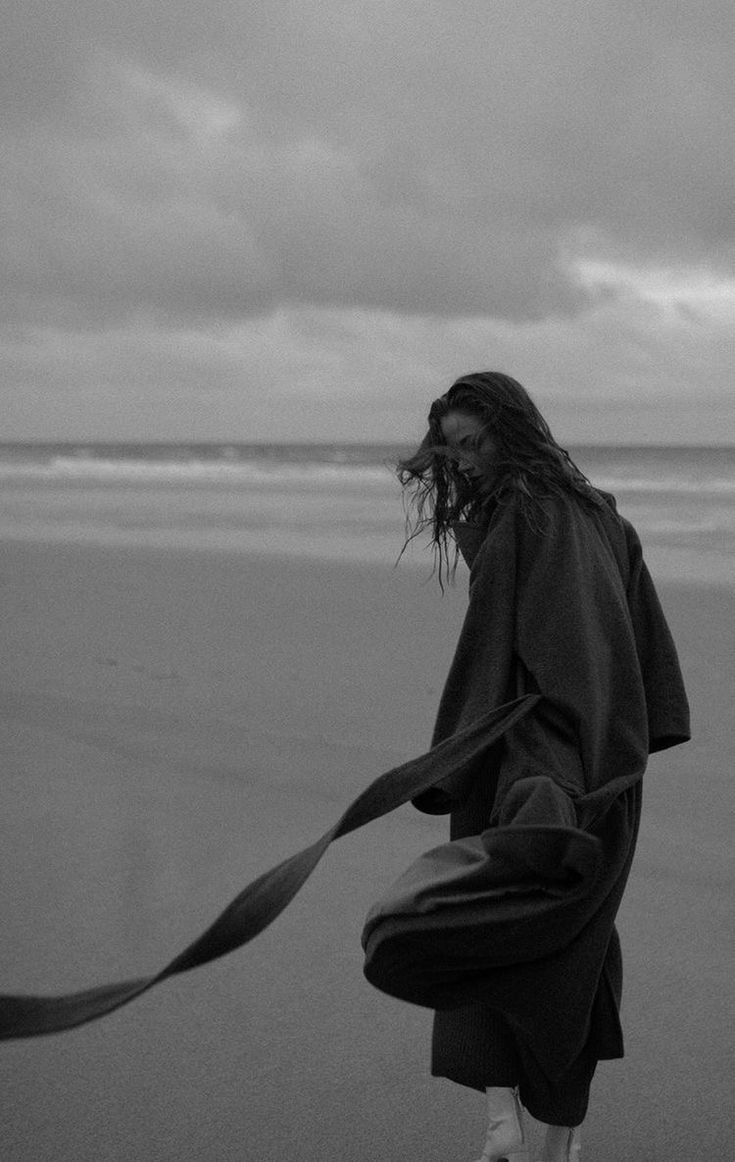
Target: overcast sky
{"type": "Point", "coordinates": [261, 219]}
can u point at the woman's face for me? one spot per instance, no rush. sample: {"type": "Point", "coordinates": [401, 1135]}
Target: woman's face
{"type": "Point", "coordinates": [471, 449]}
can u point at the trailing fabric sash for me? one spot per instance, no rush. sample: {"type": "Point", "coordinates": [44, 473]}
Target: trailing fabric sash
{"type": "Point", "coordinates": [266, 897]}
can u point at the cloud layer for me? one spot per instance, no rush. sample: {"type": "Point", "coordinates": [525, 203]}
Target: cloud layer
{"type": "Point", "coordinates": [178, 175]}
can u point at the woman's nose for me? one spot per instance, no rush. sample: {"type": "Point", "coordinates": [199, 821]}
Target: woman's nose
{"type": "Point", "coordinates": [464, 464]}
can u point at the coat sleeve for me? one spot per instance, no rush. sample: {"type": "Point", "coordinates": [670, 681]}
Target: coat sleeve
{"type": "Point", "coordinates": [666, 699]}
{"type": "Point", "coordinates": [574, 644]}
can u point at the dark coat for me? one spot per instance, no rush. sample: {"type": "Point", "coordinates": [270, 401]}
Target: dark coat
{"type": "Point", "coordinates": [568, 611]}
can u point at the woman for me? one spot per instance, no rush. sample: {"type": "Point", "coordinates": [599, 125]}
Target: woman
{"type": "Point", "coordinates": [561, 605]}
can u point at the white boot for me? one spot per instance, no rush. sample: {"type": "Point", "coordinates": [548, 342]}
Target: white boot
{"type": "Point", "coordinates": [562, 1144]}
{"type": "Point", "coordinates": [506, 1141]}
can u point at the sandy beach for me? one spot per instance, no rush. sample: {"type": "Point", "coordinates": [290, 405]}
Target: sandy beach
{"type": "Point", "coordinates": [173, 724]}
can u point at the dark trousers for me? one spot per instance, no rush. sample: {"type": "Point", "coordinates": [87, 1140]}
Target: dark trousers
{"type": "Point", "coordinates": [499, 1057]}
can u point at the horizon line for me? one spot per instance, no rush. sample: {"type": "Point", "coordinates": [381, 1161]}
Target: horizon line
{"type": "Point", "coordinates": [173, 441]}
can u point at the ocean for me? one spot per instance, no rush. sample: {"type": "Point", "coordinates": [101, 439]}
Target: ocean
{"type": "Point", "coordinates": [332, 500]}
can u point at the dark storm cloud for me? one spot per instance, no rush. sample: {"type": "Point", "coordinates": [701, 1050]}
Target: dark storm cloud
{"type": "Point", "coordinates": [190, 162]}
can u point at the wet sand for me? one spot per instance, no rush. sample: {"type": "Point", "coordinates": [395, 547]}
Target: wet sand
{"type": "Point", "coordinates": [175, 723]}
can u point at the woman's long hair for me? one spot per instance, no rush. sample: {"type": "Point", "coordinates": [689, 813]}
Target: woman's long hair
{"type": "Point", "coordinates": [526, 461]}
